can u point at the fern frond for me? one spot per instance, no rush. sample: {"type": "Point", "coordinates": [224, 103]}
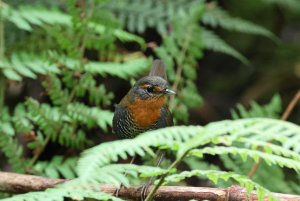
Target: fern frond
{"type": "Point", "coordinates": [89, 115]}
{"type": "Point", "coordinates": [291, 141]}
{"type": "Point", "coordinates": [148, 13]}
{"type": "Point", "coordinates": [5, 124]}
{"type": "Point", "coordinates": [270, 148]}
{"type": "Point", "coordinates": [114, 174]}
{"type": "Point", "coordinates": [270, 159]}
{"type": "Point", "coordinates": [9, 146]}
{"type": "Point", "coordinates": [79, 189]}
{"type": "Point", "coordinates": [53, 85]}
{"type": "Point", "coordinates": [215, 176]}
{"type": "Point", "coordinates": [57, 166]}
{"type": "Point", "coordinates": [103, 154]}
{"type": "Point", "coordinates": [215, 43]}
{"type": "Point", "coordinates": [26, 16]}
{"type": "Point", "coordinates": [257, 128]}
{"type": "Point", "coordinates": [13, 152]}
{"type": "Point", "coordinates": [25, 65]}
{"type": "Point", "coordinates": [70, 189]}
{"type": "Point", "coordinates": [55, 124]}
{"type": "Point", "coordinates": [215, 16]}
{"type": "Point", "coordinates": [271, 110]}
{"type": "Point", "coordinates": [20, 121]}
{"type": "Point", "coordinates": [122, 70]}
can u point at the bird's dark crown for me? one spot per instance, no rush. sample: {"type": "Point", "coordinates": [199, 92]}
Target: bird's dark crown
{"type": "Point", "coordinates": [151, 87]}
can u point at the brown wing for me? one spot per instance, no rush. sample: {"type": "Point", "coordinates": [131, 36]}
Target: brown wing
{"type": "Point", "coordinates": [166, 118]}
{"type": "Point", "coordinates": [158, 69]}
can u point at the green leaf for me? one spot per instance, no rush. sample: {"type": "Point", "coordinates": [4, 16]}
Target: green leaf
{"type": "Point", "coordinates": [12, 75]}
{"type": "Point", "coordinates": [215, 16]}
{"type": "Point", "coordinates": [215, 43]}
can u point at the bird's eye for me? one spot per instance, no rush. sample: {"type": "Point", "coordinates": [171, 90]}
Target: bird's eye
{"type": "Point", "coordinates": [150, 89]}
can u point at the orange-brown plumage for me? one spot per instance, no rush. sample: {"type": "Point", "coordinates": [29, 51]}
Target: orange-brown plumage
{"type": "Point", "coordinates": [146, 112]}
{"type": "Point", "coordinates": [144, 106]}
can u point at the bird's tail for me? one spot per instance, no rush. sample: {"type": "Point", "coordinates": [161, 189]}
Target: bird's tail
{"type": "Point", "coordinates": [158, 69]}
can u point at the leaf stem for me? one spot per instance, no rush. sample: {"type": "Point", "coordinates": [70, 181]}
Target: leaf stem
{"type": "Point", "coordinates": [38, 153]}
{"type": "Point", "coordinates": [150, 196]}
{"type": "Point", "coordinates": [180, 67]}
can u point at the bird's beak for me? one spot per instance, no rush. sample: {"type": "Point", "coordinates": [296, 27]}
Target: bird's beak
{"type": "Point", "coordinates": [169, 91]}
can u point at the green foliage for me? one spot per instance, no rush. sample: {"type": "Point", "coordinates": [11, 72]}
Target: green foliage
{"type": "Point", "coordinates": [9, 145]}
{"type": "Point", "coordinates": [271, 110]}
{"type": "Point", "coordinates": [217, 17]}
{"type": "Point", "coordinates": [161, 15]}
{"type": "Point", "coordinates": [57, 167]}
{"type": "Point", "coordinates": [25, 65]}
{"type": "Point", "coordinates": [26, 16]}
{"type": "Point", "coordinates": [179, 49]}
{"type": "Point", "coordinates": [95, 165]}
{"type": "Point", "coordinates": [13, 152]}
{"type": "Point", "coordinates": [59, 194]}
{"type": "Point", "coordinates": [155, 14]}
{"type": "Point", "coordinates": [76, 50]}
{"type": "Point", "coordinates": [215, 43]}
{"type": "Point", "coordinates": [276, 174]}
{"type": "Point", "coordinates": [123, 70]}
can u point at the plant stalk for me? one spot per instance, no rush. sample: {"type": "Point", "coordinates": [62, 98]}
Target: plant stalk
{"type": "Point", "coordinates": [2, 50]}
{"type": "Point", "coordinates": [180, 67]}
{"type": "Point", "coordinates": [150, 196]}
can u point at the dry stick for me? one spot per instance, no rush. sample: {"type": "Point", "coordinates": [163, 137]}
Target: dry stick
{"type": "Point", "coordinates": [285, 116]}
{"type": "Point", "coordinates": [20, 183]}
{"type": "Point", "coordinates": [291, 106]}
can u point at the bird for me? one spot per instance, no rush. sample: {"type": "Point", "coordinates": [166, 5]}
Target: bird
{"type": "Point", "coordinates": [144, 108]}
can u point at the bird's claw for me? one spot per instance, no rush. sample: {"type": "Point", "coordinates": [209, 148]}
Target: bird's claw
{"type": "Point", "coordinates": [144, 190]}
{"type": "Point", "coordinates": [117, 191]}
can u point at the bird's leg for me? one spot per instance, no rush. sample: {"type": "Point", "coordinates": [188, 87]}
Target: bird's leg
{"type": "Point", "coordinates": [117, 191]}
{"type": "Point", "coordinates": [150, 181]}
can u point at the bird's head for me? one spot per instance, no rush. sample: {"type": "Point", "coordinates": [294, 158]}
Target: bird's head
{"type": "Point", "coordinates": [151, 87]}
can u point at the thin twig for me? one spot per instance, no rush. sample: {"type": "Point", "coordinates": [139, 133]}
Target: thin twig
{"type": "Point", "coordinates": [285, 116]}
{"type": "Point", "coordinates": [179, 69]}
{"type": "Point", "coordinates": [150, 196]}
{"type": "Point", "coordinates": [38, 153]}
{"type": "Point", "coordinates": [291, 106]}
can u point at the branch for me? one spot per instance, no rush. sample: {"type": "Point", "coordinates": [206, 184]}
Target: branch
{"type": "Point", "coordinates": [291, 106]}
{"type": "Point", "coordinates": [20, 183]}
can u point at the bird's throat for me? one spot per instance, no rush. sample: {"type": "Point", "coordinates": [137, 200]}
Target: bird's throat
{"type": "Point", "coordinates": [146, 113]}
